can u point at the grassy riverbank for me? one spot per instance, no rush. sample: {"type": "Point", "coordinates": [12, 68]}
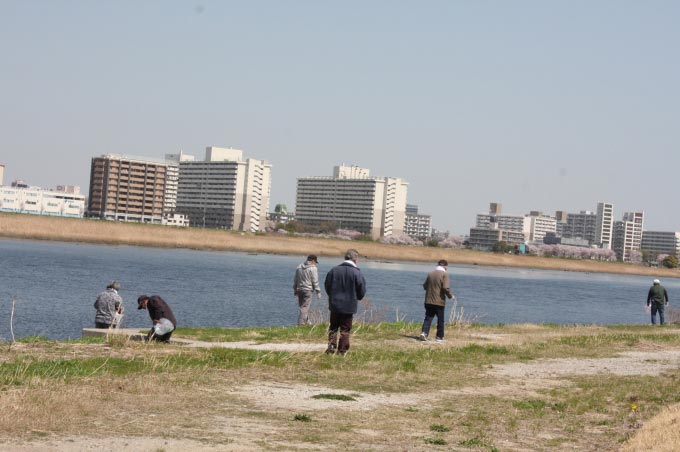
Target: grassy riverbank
{"type": "Point", "coordinates": [515, 387]}
{"type": "Point", "coordinates": [114, 233]}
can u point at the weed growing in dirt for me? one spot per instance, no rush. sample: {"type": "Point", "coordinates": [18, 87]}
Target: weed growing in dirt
{"type": "Point", "coordinates": [342, 397]}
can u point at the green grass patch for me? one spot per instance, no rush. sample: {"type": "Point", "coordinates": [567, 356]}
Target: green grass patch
{"type": "Point", "coordinates": [439, 428]}
{"type": "Point", "coordinates": [341, 397]}
{"type": "Point", "coordinates": [436, 441]}
{"type": "Point", "coordinates": [302, 418]}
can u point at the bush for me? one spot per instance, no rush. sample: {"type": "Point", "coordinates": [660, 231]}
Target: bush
{"type": "Point", "coordinates": [670, 262]}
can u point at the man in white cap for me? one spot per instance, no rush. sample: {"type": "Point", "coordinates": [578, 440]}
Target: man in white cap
{"type": "Point", "coordinates": [657, 298]}
{"type": "Point", "coordinates": [108, 304]}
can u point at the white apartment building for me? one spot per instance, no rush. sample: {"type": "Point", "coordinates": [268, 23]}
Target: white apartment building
{"type": "Point", "coordinates": [539, 226]}
{"type": "Point", "coordinates": [2, 173]}
{"type": "Point", "coordinates": [224, 190]}
{"type": "Point", "coordinates": [417, 225]}
{"type": "Point", "coordinates": [627, 236]}
{"type": "Point", "coordinates": [515, 223]}
{"type": "Point", "coordinates": [351, 199]}
{"type": "Point", "coordinates": [38, 201]}
{"type": "Point", "coordinates": [172, 185]}
{"type": "Point", "coordinates": [604, 225]}
{"type": "Point", "coordinates": [661, 242]}
{"type": "Point", "coordinates": [485, 238]}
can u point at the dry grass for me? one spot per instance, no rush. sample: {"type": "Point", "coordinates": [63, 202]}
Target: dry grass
{"type": "Point", "coordinates": [660, 434]}
{"type": "Point", "coordinates": [106, 232]}
{"type": "Point", "coordinates": [249, 400]}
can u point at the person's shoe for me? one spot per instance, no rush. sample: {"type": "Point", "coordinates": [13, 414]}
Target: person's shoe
{"type": "Point", "coordinates": [423, 337]}
{"type": "Point", "coordinates": [440, 340]}
{"type": "Point", "coordinates": [330, 351]}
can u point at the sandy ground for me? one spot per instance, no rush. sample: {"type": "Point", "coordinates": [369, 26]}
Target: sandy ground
{"type": "Point", "coordinates": [510, 380]}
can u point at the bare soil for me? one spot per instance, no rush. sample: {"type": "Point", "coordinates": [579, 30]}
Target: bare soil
{"type": "Point", "coordinates": [227, 414]}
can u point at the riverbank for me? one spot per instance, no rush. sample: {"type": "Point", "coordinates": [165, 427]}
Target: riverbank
{"type": "Point", "coordinates": [32, 227]}
{"type": "Point", "coordinates": [513, 387]}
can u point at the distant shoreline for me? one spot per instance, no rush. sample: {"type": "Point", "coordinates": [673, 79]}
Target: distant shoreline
{"type": "Point", "coordinates": [35, 227]}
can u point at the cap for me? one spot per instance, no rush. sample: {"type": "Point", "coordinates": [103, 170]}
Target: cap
{"type": "Point", "coordinates": [656, 281]}
{"type": "Point", "coordinates": [312, 257]}
{"type": "Point", "coordinates": [115, 285]}
{"type": "Point", "coordinates": [443, 263]}
{"type": "Point", "coordinates": [140, 301]}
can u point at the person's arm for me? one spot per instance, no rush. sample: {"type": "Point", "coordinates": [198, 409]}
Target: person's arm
{"type": "Point", "coordinates": [649, 297]}
{"type": "Point", "coordinates": [360, 285]}
{"type": "Point", "coordinates": [328, 283]}
{"type": "Point", "coordinates": [447, 286]}
{"type": "Point", "coordinates": [295, 284]}
{"type": "Point", "coordinates": [665, 294]}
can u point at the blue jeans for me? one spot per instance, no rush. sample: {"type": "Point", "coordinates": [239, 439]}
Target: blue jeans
{"type": "Point", "coordinates": [660, 308]}
{"type": "Point", "coordinates": [431, 311]}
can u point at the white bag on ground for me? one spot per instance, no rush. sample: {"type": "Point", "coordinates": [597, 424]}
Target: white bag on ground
{"type": "Point", "coordinates": [164, 326]}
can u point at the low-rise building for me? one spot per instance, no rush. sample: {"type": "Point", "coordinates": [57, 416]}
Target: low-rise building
{"type": "Point", "coordinates": [37, 201]}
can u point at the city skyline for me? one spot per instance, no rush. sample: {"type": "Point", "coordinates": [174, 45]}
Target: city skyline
{"type": "Point", "coordinates": [538, 106]}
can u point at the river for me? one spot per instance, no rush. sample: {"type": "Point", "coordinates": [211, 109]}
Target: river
{"type": "Point", "coordinates": [54, 286]}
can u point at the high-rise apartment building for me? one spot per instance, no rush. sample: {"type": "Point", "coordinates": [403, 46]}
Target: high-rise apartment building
{"type": "Point", "coordinates": [539, 226]}
{"type": "Point", "coordinates": [580, 225]}
{"type": "Point", "coordinates": [417, 225]}
{"type": "Point", "coordinates": [627, 236]}
{"type": "Point", "coordinates": [126, 188]}
{"type": "Point", "coordinates": [172, 180]}
{"type": "Point", "coordinates": [224, 190]}
{"type": "Point", "coordinates": [351, 199]}
{"type": "Point", "coordinates": [661, 242]}
{"type": "Point", "coordinates": [605, 225]}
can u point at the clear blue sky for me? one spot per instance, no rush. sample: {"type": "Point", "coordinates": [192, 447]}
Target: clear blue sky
{"type": "Point", "coordinates": [538, 105]}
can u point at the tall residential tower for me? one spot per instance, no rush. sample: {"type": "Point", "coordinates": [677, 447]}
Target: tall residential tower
{"type": "Point", "coordinates": [351, 199]}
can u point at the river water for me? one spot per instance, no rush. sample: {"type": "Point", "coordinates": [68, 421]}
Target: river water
{"type": "Point", "coordinates": [54, 286]}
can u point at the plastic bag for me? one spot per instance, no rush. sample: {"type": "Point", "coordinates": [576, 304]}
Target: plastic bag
{"type": "Point", "coordinates": [164, 326]}
{"type": "Point", "coordinates": [648, 308]}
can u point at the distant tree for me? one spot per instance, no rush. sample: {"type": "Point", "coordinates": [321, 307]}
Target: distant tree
{"type": "Point", "coordinates": [295, 227]}
{"type": "Point", "coordinates": [670, 262]}
{"type": "Point", "coordinates": [635, 257]}
{"type": "Point", "coordinates": [501, 247]}
{"type": "Point", "coordinates": [432, 242]}
{"type": "Point", "coordinates": [328, 226]}
{"type": "Point", "coordinates": [400, 240]}
{"type": "Point", "coordinates": [281, 208]}
{"type": "Point", "coordinates": [452, 241]}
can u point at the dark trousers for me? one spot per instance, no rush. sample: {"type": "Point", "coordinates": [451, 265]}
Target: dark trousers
{"type": "Point", "coordinates": [102, 325]}
{"type": "Point", "coordinates": [160, 338]}
{"type": "Point", "coordinates": [431, 311]}
{"type": "Point", "coordinates": [342, 322]}
{"type": "Point", "coordinates": [657, 307]}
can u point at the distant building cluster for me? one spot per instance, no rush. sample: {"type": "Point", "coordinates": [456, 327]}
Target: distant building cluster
{"type": "Point", "coordinates": [64, 201]}
{"type": "Point", "coordinates": [225, 190]}
{"type": "Point", "coordinates": [598, 229]}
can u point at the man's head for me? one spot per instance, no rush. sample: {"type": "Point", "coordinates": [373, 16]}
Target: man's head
{"type": "Point", "coordinates": [312, 258]}
{"type": "Point", "coordinates": [352, 255]}
{"type": "Point", "coordinates": [115, 285]}
{"type": "Point", "coordinates": [443, 263]}
{"type": "Point", "coordinates": [656, 281]}
{"type": "Point", "coordinates": [142, 300]}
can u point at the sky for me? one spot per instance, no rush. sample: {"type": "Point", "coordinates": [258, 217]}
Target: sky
{"type": "Point", "coordinates": [537, 105]}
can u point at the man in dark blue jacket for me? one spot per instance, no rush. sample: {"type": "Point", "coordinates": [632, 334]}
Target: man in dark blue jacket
{"type": "Point", "coordinates": [345, 286]}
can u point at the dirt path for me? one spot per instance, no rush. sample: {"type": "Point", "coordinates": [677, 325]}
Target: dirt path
{"type": "Point", "coordinates": [513, 380]}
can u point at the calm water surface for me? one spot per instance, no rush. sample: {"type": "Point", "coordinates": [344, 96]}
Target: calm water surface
{"type": "Point", "coordinates": [55, 285]}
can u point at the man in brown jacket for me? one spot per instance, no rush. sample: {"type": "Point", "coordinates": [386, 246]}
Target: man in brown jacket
{"type": "Point", "coordinates": [437, 287]}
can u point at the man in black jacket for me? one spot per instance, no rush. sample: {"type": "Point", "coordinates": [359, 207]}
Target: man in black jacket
{"type": "Point", "coordinates": [161, 316]}
{"type": "Point", "coordinates": [345, 286]}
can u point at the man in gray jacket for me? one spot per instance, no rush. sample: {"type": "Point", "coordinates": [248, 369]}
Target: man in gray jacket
{"type": "Point", "coordinates": [305, 282]}
{"type": "Point", "coordinates": [437, 287]}
{"type": "Point", "coordinates": [108, 304]}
